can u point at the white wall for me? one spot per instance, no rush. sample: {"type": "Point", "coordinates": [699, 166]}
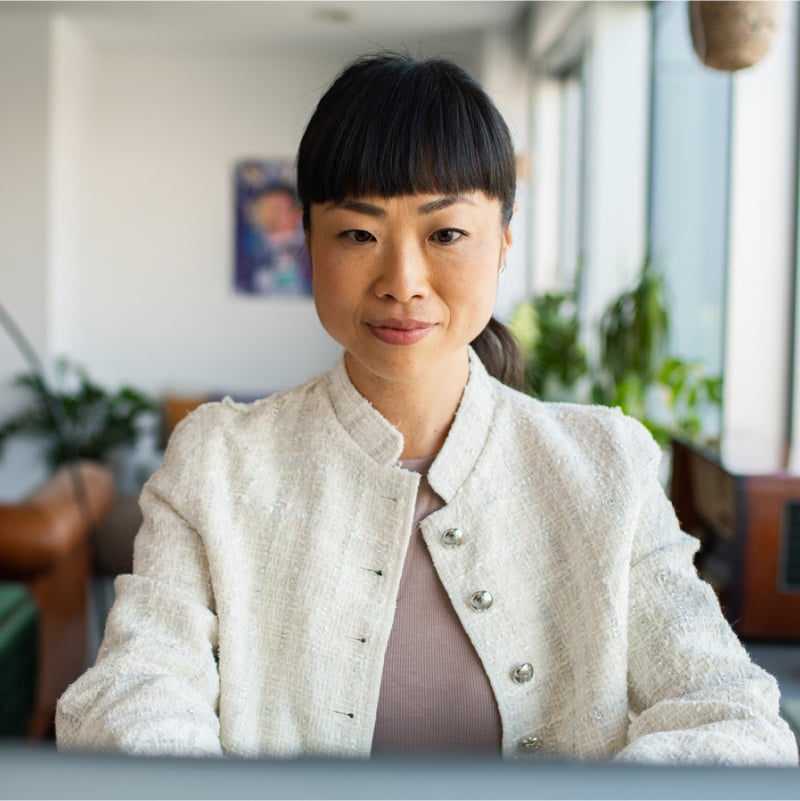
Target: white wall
{"type": "Point", "coordinates": [505, 76]}
{"type": "Point", "coordinates": [73, 66]}
{"type": "Point", "coordinates": [152, 300]}
{"type": "Point", "coordinates": [24, 59]}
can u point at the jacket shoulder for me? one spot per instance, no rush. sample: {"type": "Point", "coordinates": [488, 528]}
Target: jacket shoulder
{"type": "Point", "coordinates": [216, 420]}
{"type": "Point", "coordinates": [595, 430]}
{"type": "Point", "coordinates": [222, 439]}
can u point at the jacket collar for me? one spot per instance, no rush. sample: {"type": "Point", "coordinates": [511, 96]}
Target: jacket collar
{"type": "Point", "coordinates": [384, 443]}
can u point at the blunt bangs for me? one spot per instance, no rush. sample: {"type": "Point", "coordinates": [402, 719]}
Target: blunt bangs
{"type": "Point", "coordinates": [390, 125]}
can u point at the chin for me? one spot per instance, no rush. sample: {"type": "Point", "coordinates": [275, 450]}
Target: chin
{"type": "Point", "coordinates": [406, 365]}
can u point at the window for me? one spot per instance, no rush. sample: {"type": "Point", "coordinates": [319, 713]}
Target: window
{"type": "Point", "coordinates": [571, 212]}
{"type": "Point", "coordinates": [689, 178]}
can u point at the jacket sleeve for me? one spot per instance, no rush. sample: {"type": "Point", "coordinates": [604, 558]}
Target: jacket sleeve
{"type": "Point", "coordinates": [154, 688]}
{"type": "Point", "coordinates": [694, 694]}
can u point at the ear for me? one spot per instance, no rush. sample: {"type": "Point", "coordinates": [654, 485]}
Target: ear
{"type": "Point", "coordinates": [508, 235]}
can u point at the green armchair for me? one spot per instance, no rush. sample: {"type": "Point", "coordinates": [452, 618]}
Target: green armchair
{"type": "Point", "coordinates": [19, 649]}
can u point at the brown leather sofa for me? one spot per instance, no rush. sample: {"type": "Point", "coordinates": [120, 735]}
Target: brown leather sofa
{"type": "Point", "coordinates": [45, 543]}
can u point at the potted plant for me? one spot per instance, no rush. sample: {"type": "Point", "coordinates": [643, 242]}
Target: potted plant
{"type": "Point", "coordinates": [633, 341]}
{"type": "Point", "coordinates": [77, 417]}
{"type": "Point", "coordinates": [633, 370]}
{"type": "Point", "coordinates": [547, 329]}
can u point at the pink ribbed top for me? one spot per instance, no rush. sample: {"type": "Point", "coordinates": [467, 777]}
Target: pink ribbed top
{"type": "Point", "coordinates": [435, 695]}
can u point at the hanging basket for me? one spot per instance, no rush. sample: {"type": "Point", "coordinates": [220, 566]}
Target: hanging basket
{"type": "Point", "coordinates": [734, 35]}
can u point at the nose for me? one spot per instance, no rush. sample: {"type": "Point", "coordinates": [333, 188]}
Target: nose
{"type": "Point", "coordinates": [403, 274]}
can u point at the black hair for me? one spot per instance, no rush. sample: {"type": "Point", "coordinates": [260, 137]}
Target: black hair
{"type": "Point", "coordinates": [392, 125]}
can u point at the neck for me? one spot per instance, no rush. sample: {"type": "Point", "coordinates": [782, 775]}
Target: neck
{"type": "Point", "coordinates": [422, 409]}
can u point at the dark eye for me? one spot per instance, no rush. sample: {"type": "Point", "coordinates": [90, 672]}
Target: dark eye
{"type": "Point", "coordinates": [447, 236]}
{"type": "Point", "coordinates": [358, 236]}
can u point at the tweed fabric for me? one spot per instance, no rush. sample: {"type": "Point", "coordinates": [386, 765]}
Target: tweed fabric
{"type": "Point", "coordinates": [268, 563]}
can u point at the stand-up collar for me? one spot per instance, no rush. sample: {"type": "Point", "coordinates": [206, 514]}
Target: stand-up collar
{"type": "Point", "coordinates": [468, 433]}
{"type": "Point", "coordinates": [365, 424]}
{"type": "Point", "coordinates": [384, 443]}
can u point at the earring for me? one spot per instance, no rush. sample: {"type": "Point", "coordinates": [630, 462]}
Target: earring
{"type": "Point", "coordinates": [503, 266]}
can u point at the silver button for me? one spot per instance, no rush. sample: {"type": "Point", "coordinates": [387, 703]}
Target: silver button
{"type": "Point", "coordinates": [453, 536]}
{"type": "Point", "coordinates": [530, 743]}
{"type": "Point", "coordinates": [523, 673]}
{"type": "Point", "coordinates": [481, 600]}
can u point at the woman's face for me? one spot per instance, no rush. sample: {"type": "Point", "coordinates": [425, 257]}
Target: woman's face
{"type": "Point", "coordinates": [404, 284]}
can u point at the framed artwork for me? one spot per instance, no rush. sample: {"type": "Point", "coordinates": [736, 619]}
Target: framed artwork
{"type": "Point", "coordinates": [271, 256]}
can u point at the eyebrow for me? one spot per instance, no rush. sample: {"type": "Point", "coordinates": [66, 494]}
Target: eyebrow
{"type": "Point", "coordinates": [442, 203]}
{"type": "Point", "coordinates": [371, 210]}
{"type": "Point", "coordinates": [361, 206]}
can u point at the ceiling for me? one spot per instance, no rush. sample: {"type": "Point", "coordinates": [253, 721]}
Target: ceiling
{"type": "Point", "coordinates": [281, 23]}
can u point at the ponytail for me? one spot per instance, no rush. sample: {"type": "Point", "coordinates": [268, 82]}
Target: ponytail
{"type": "Point", "coordinates": [500, 354]}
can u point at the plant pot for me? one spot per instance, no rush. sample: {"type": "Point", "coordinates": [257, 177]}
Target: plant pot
{"type": "Point", "coordinates": [731, 36]}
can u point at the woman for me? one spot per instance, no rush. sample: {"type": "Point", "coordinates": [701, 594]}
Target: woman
{"type": "Point", "coordinates": [406, 554]}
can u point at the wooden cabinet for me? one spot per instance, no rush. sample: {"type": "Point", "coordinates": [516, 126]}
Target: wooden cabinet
{"type": "Point", "coordinates": [748, 522]}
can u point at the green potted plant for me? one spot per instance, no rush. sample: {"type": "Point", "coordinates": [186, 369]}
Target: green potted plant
{"type": "Point", "coordinates": [689, 391]}
{"type": "Point", "coordinates": [633, 342]}
{"type": "Point", "coordinates": [77, 417]}
{"type": "Point", "coordinates": [633, 370]}
{"type": "Point", "coordinates": [547, 329]}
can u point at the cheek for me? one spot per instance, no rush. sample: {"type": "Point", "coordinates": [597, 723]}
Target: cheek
{"type": "Point", "coordinates": [326, 298]}
{"type": "Point", "coordinates": [330, 285]}
{"type": "Point", "coordinates": [484, 303]}
{"type": "Point", "coordinates": [471, 303]}
{"type": "Point", "coordinates": [336, 296]}
{"type": "Point", "coordinates": [474, 283]}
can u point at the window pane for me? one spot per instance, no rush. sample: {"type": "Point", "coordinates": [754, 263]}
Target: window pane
{"type": "Point", "coordinates": [689, 186]}
{"type": "Point", "coordinates": [571, 216]}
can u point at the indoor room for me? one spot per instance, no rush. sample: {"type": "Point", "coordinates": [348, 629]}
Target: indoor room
{"type": "Point", "coordinates": [156, 259]}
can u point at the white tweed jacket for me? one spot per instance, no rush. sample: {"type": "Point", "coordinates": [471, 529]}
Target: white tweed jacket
{"type": "Point", "coordinates": [267, 568]}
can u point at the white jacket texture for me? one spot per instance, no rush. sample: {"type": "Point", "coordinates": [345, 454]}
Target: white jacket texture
{"type": "Point", "coordinates": [267, 568]}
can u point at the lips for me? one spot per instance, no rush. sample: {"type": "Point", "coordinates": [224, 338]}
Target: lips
{"type": "Point", "coordinates": [400, 332]}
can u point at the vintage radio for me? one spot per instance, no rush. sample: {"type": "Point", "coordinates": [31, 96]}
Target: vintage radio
{"type": "Point", "coordinates": [748, 521]}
